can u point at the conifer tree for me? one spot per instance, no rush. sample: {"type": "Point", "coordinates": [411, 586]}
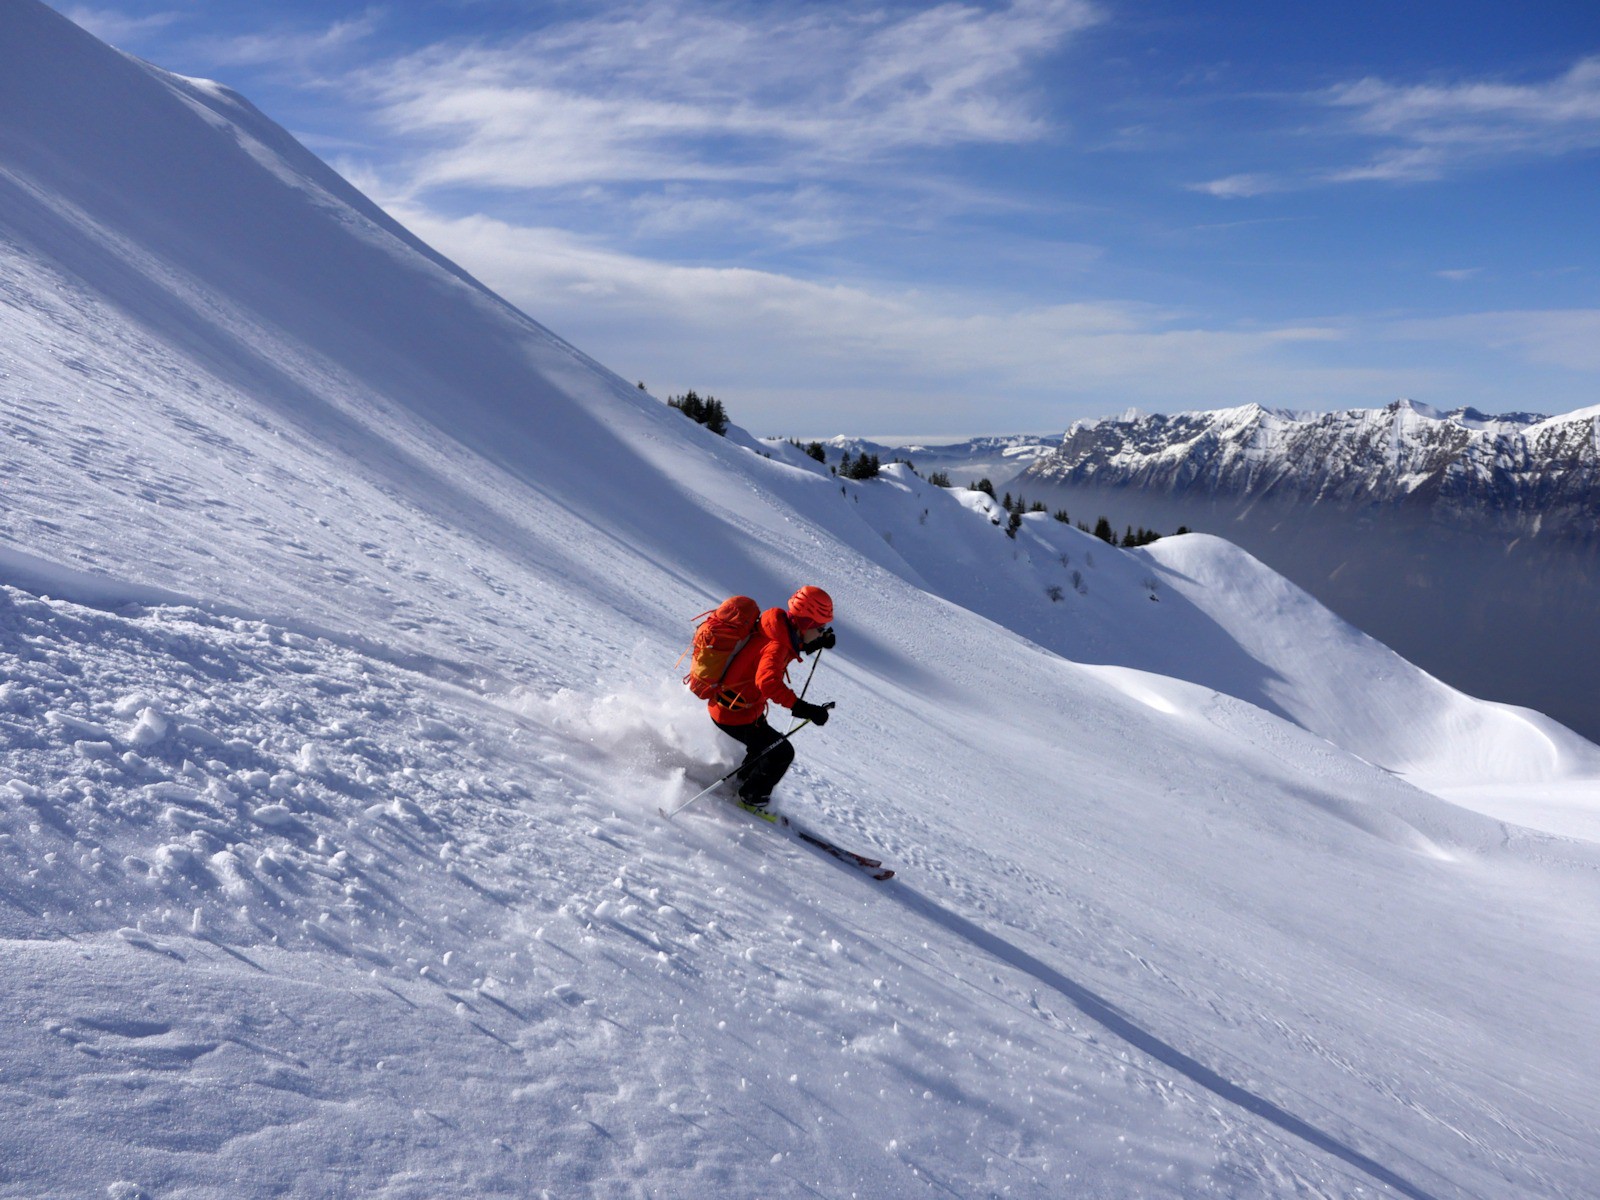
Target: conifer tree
{"type": "Point", "coordinates": [866, 466]}
{"type": "Point", "coordinates": [716, 418]}
{"type": "Point", "coordinates": [708, 411]}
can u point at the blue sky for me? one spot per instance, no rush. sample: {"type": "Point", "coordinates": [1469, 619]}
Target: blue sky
{"type": "Point", "coordinates": [946, 219]}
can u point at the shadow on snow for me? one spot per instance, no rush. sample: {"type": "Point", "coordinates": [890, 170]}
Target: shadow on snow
{"type": "Point", "coordinates": [1102, 1011]}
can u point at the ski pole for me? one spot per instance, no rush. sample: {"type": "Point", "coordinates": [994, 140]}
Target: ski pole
{"type": "Point", "coordinates": [781, 738]}
{"type": "Point", "coordinates": [807, 686]}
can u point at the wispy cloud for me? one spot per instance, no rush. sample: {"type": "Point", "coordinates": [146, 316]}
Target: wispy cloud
{"type": "Point", "coordinates": [1552, 117]}
{"type": "Point", "coordinates": [802, 216]}
{"type": "Point", "coordinates": [290, 47]}
{"type": "Point", "coordinates": [673, 91]}
{"type": "Point", "coordinates": [284, 47]}
{"type": "Point", "coordinates": [115, 27]}
{"type": "Point", "coordinates": [927, 358]}
{"type": "Point", "coordinates": [1234, 186]}
{"type": "Point", "coordinates": [1425, 132]}
{"type": "Point", "coordinates": [1568, 338]}
{"type": "Point", "coordinates": [646, 158]}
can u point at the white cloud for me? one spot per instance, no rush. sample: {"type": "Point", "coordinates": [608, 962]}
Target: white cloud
{"type": "Point", "coordinates": [1425, 132]}
{"type": "Point", "coordinates": [925, 359]}
{"type": "Point", "coordinates": [290, 47]}
{"type": "Point", "coordinates": [115, 27]}
{"type": "Point", "coordinates": [1410, 165]}
{"type": "Point", "coordinates": [1437, 127]}
{"type": "Point", "coordinates": [1232, 187]}
{"type": "Point", "coordinates": [1550, 117]}
{"type": "Point", "coordinates": [802, 216]}
{"type": "Point", "coordinates": [1565, 338]}
{"type": "Point", "coordinates": [672, 91]}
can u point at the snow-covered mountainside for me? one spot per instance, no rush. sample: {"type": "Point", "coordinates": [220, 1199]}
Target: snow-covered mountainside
{"type": "Point", "coordinates": [339, 605]}
{"type": "Point", "coordinates": [1515, 475]}
{"type": "Point", "coordinates": [1223, 621]}
{"type": "Point", "coordinates": [1466, 542]}
{"type": "Point", "coordinates": [1000, 459]}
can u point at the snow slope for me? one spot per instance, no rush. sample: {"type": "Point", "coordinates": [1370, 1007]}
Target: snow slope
{"type": "Point", "coordinates": [338, 608]}
{"type": "Point", "coordinates": [1197, 608]}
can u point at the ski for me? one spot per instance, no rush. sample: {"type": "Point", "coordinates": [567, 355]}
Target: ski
{"type": "Point", "coordinates": [873, 866]}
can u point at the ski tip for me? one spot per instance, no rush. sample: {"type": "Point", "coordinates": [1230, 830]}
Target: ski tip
{"type": "Point", "coordinates": [880, 876]}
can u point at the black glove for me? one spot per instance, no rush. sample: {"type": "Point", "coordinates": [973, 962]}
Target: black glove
{"type": "Point", "coordinates": [731, 700]}
{"type": "Point", "coordinates": [824, 641]}
{"type": "Point", "coordinates": [817, 714]}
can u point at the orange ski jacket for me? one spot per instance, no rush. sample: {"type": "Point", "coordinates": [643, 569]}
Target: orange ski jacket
{"type": "Point", "coordinates": [758, 673]}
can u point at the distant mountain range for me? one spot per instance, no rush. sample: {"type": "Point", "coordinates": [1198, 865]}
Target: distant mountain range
{"type": "Point", "coordinates": [1000, 459]}
{"type": "Point", "coordinates": [1520, 474]}
{"type": "Point", "coordinates": [1468, 542]}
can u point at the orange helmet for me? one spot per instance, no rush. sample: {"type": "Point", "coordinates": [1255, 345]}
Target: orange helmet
{"type": "Point", "coordinates": [810, 608]}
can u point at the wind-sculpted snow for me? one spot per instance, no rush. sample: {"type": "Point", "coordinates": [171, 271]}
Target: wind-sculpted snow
{"type": "Point", "coordinates": [339, 604]}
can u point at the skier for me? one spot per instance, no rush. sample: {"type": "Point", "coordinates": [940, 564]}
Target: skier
{"type": "Point", "coordinates": [756, 675]}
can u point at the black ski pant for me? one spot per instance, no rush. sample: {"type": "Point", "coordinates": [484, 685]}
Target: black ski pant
{"type": "Point", "coordinates": [767, 756]}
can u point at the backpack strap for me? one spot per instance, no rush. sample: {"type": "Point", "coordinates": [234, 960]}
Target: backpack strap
{"type": "Point", "coordinates": [734, 653]}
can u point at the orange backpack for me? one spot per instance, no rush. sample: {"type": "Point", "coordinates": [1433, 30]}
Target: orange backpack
{"type": "Point", "coordinates": [722, 634]}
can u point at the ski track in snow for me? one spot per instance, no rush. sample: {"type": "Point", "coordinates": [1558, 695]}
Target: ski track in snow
{"type": "Point", "coordinates": [187, 837]}
{"type": "Point", "coordinates": [480, 882]}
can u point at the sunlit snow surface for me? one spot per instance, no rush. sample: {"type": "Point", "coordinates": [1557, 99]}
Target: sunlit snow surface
{"type": "Point", "coordinates": [337, 701]}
